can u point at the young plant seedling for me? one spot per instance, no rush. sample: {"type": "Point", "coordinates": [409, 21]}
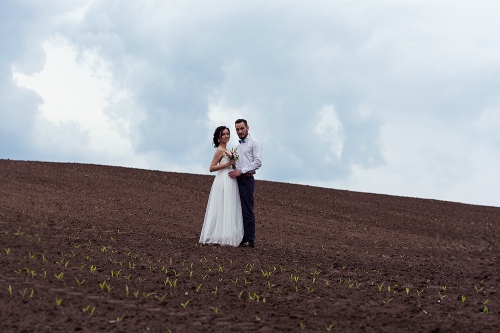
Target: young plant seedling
{"type": "Point", "coordinates": [59, 276]}
{"type": "Point", "coordinates": [216, 310]}
{"type": "Point", "coordinates": [79, 282]}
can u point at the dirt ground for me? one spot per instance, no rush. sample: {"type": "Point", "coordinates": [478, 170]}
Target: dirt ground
{"type": "Point", "coordinates": [109, 249]}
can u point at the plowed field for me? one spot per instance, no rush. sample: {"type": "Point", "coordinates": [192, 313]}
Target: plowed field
{"type": "Point", "coordinates": [109, 249]}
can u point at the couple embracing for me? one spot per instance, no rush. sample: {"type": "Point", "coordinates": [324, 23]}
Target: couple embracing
{"type": "Point", "coordinates": [229, 218]}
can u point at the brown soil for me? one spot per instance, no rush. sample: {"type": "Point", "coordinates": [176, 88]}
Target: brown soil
{"type": "Point", "coordinates": [325, 259]}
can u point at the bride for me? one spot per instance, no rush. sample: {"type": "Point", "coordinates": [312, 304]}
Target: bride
{"type": "Point", "coordinates": [223, 219]}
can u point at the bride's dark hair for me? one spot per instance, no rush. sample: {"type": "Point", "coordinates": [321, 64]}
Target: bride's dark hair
{"type": "Point", "coordinates": [218, 133]}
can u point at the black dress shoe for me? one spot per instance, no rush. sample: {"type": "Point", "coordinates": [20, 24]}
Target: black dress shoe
{"type": "Point", "coordinates": [242, 244]}
{"type": "Point", "coordinates": [251, 244]}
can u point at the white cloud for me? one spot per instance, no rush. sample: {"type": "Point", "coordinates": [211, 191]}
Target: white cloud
{"type": "Point", "coordinates": [330, 129]}
{"type": "Point", "coordinates": [76, 90]}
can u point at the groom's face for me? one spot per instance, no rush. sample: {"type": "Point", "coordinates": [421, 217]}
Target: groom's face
{"type": "Point", "coordinates": [241, 130]}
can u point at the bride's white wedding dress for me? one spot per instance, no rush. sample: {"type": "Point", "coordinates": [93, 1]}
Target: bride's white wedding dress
{"type": "Point", "coordinates": [223, 219]}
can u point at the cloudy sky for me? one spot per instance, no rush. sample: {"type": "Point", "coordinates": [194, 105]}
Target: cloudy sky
{"type": "Point", "coordinates": [399, 97]}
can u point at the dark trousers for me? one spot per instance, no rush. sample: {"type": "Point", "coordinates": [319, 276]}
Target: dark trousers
{"type": "Point", "coordinates": [246, 186]}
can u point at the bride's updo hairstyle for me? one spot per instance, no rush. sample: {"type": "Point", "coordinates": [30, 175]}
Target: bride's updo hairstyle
{"type": "Point", "coordinates": [218, 133]}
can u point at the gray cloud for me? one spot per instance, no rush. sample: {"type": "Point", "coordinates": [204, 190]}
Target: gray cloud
{"type": "Point", "coordinates": [375, 66]}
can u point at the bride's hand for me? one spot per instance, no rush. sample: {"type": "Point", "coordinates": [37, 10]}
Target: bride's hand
{"type": "Point", "coordinates": [231, 162]}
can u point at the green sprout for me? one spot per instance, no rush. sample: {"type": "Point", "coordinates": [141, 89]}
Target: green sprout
{"type": "Point", "coordinates": [91, 311]}
{"type": "Point", "coordinates": [216, 310]}
{"type": "Point", "coordinates": [59, 276]}
{"type": "Point", "coordinates": [387, 301]}
{"type": "Point", "coordinates": [147, 295]}
{"type": "Point", "coordinates": [79, 283]}
{"type": "Point", "coordinates": [266, 274]}
{"type": "Point", "coordinates": [185, 304]}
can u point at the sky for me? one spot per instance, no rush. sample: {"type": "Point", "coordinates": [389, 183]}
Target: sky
{"type": "Point", "coordinates": [398, 97]}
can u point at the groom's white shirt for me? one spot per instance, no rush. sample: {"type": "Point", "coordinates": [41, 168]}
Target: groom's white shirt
{"type": "Point", "coordinates": [250, 155]}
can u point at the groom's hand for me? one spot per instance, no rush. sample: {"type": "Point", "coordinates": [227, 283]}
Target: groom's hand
{"type": "Point", "coordinates": [234, 173]}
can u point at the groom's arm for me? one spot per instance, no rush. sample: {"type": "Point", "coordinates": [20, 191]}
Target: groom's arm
{"type": "Point", "coordinates": [257, 158]}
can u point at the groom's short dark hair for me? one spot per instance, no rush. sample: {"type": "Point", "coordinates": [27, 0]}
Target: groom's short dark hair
{"type": "Point", "coordinates": [241, 121]}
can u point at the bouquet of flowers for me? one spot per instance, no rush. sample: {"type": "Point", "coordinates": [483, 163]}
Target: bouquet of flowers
{"type": "Point", "coordinates": [233, 155]}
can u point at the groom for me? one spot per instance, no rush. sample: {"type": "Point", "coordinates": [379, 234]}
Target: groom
{"type": "Point", "coordinates": [250, 159]}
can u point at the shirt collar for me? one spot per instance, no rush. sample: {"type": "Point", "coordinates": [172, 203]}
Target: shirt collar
{"type": "Point", "coordinates": [244, 140]}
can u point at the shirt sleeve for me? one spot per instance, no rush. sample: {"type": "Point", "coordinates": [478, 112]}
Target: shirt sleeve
{"type": "Point", "coordinates": [257, 158]}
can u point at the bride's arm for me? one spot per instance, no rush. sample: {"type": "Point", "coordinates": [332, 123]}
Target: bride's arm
{"type": "Point", "coordinates": [218, 155]}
